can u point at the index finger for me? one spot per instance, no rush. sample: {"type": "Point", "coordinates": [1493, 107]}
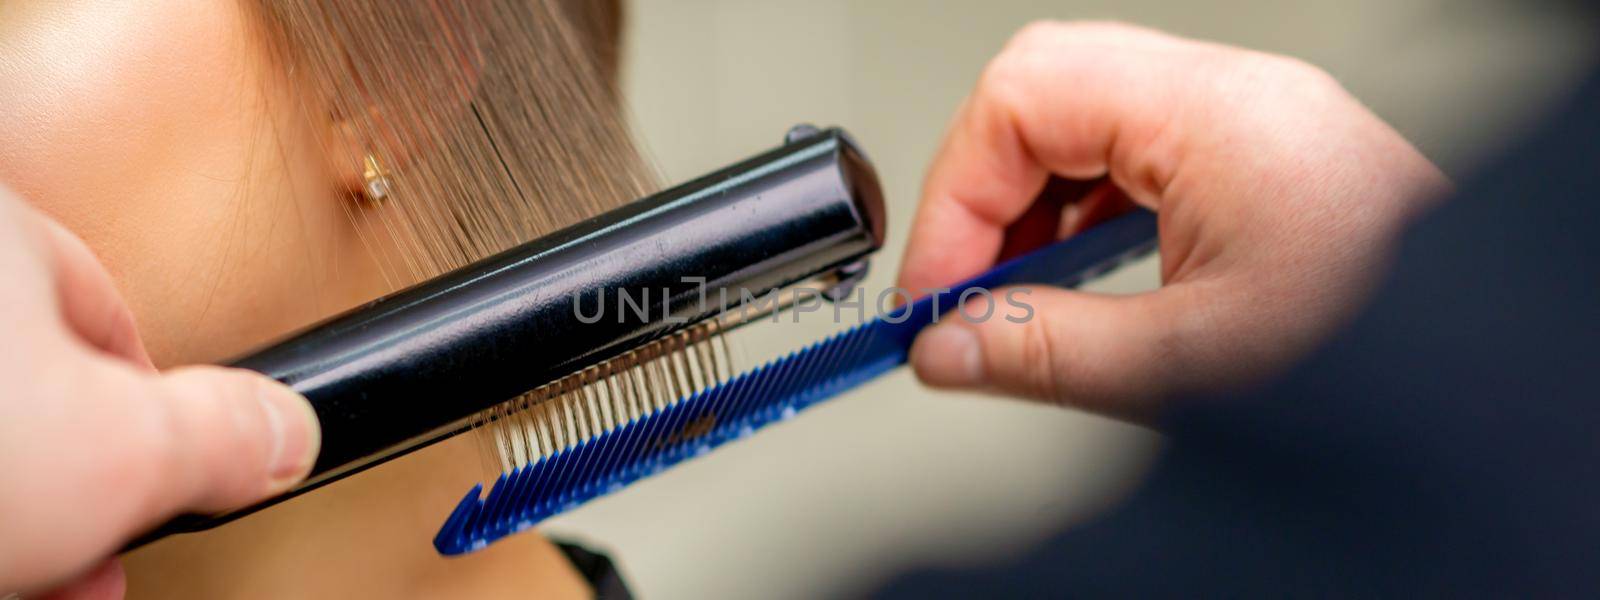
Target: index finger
{"type": "Point", "coordinates": [1076, 100]}
{"type": "Point", "coordinates": [90, 302]}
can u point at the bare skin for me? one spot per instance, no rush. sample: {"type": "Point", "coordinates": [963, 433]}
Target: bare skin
{"type": "Point", "coordinates": [1279, 196]}
{"type": "Point", "coordinates": [164, 136]}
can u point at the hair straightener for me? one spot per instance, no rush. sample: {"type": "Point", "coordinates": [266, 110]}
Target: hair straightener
{"type": "Point", "coordinates": [586, 401]}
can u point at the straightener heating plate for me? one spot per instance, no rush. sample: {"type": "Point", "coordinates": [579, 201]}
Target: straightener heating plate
{"type": "Point", "coordinates": [701, 421]}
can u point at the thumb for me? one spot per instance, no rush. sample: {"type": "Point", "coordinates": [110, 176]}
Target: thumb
{"type": "Point", "coordinates": [232, 437]}
{"type": "Point", "coordinates": [132, 448]}
{"type": "Point", "coordinates": [1097, 352]}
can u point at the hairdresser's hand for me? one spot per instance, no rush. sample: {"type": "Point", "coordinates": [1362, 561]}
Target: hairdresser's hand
{"type": "Point", "coordinates": [1278, 193]}
{"type": "Point", "coordinates": [96, 445]}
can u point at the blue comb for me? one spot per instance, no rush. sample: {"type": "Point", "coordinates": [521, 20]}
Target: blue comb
{"type": "Point", "coordinates": [736, 408]}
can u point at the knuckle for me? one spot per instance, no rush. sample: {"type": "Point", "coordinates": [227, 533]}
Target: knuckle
{"type": "Point", "coordinates": [1289, 68]}
{"type": "Point", "coordinates": [1277, 73]}
{"type": "Point", "coordinates": [217, 431]}
{"type": "Point", "coordinates": [121, 332]}
{"type": "Point", "coordinates": [143, 460]}
{"type": "Point", "coordinates": [1105, 28]}
{"type": "Point", "coordinates": [1054, 33]}
{"type": "Point", "coordinates": [224, 383]}
{"type": "Point", "coordinates": [1053, 50]}
{"type": "Point", "coordinates": [1002, 79]}
{"type": "Point", "coordinates": [1039, 356]}
{"type": "Point", "coordinates": [217, 406]}
{"type": "Point", "coordinates": [1038, 31]}
{"type": "Point", "coordinates": [1278, 89]}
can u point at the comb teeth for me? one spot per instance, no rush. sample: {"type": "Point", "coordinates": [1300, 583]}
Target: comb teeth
{"type": "Point", "coordinates": [582, 406]}
{"type": "Point", "coordinates": [733, 409]}
{"type": "Point", "coordinates": [645, 446]}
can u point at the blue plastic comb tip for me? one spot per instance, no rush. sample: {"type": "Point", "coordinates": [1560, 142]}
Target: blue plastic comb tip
{"type": "Point", "coordinates": [774, 391]}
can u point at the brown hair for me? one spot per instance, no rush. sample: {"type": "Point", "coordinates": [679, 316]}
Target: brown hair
{"type": "Point", "coordinates": [500, 120]}
{"type": "Point", "coordinates": [497, 120]}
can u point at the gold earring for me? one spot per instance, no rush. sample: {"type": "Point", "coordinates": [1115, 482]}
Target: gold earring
{"type": "Point", "coordinates": [377, 179]}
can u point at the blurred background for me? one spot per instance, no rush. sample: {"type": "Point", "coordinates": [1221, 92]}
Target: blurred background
{"type": "Point", "coordinates": [894, 475]}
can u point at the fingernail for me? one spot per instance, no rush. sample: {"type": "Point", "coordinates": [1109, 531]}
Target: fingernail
{"type": "Point", "coordinates": [296, 436]}
{"type": "Point", "coordinates": [948, 355]}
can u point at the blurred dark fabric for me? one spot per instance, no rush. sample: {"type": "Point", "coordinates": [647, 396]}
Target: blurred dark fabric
{"type": "Point", "coordinates": [597, 569]}
{"type": "Point", "coordinates": [1447, 444]}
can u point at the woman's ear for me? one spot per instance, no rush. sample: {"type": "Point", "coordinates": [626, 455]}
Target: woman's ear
{"type": "Point", "coordinates": [347, 150]}
{"type": "Point", "coordinates": [363, 153]}
{"type": "Point", "coordinates": [400, 102]}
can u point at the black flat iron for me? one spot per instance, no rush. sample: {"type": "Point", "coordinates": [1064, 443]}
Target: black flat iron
{"type": "Point", "coordinates": [425, 363]}
{"type": "Point", "coordinates": [589, 351]}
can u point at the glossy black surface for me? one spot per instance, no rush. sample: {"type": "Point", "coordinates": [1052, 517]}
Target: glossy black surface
{"type": "Point", "coordinates": [401, 371]}
{"type": "Point", "coordinates": [428, 356]}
